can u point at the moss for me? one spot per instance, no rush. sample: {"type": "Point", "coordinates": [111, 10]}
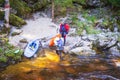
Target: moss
{"type": "Point", "coordinates": [10, 53]}
{"type": "Point", "coordinates": [80, 27]}
{"type": "Point", "coordinates": [23, 41]}
{"type": "Point", "coordinates": [14, 53]}
{"type": "Point", "coordinates": [5, 30]}
{"type": "Point", "coordinates": [115, 3]}
{"type": "Point", "coordinates": [15, 33]}
{"type": "Point", "coordinates": [1, 15]}
{"type": "Point", "coordinates": [39, 5]}
{"type": "Point", "coordinates": [17, 58]}
{"type": "Point", "coordinates": [1, 3]}
{"type": "Point", "coordinates": [16, 21]}
{"type": "Point", "coordinates": [1, 50]}
{"type": "Point", "coordinates": [21, 7]}
{"type": "Point", "coordinates": [91, 30]}
{"type": "Point", "coordinates": [82, 2]}
{"type": "Point", "coordinates": [60, 11]}
{"type": "Point", "coordinates": [3, 59]}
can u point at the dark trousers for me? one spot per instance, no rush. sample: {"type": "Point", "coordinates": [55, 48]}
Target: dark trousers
{"type": "Point", "coordinates": [64, 37]}
{"type": "Point", "coordinates": [59, 52]}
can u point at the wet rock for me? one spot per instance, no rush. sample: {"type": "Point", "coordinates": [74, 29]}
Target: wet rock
{"type": "Point", "coordinates": [82, 51]}
{"type": "Point", "coordinates": [15, 31]}
{"type": "Point", "coordinates": [23, 41]}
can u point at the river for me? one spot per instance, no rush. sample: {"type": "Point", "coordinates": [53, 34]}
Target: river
{"type": "Point", "coordinates": [49, 67]}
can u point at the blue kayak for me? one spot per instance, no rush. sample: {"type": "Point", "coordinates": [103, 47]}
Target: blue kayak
{"type": "Point", "coordinates": [32, 48]}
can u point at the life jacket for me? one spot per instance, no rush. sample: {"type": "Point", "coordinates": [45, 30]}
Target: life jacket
{"type": "Point", "coordinates": [51, 43]}
{"type": "Point", "coordinates": [63, 29]}
{"type": "Point", "coordinates": [59, 43]}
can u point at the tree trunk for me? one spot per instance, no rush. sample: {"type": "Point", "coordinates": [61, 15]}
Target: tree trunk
{"type": "Point", "coordinates": [53, 10]}
{"type": "Point", "coordinates": [7, 13]}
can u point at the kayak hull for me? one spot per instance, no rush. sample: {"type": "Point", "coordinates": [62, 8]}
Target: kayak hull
{"type": "Point", "coordinates": [29, 52]}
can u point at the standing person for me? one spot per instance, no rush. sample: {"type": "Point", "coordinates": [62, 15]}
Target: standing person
{"type": "Point", "coordinates": [64, 29]}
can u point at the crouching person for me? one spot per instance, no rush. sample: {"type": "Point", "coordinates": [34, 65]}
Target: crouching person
{"type": "Point", "coordinates": [58, 43]}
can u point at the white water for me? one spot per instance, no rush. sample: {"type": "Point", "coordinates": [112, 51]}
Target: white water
{"type": "Point", "coordinates": [38, 27]}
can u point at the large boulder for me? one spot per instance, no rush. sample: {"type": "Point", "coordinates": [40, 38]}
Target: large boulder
{"type": "Point", "coordinates": [16, 21]}
{"type": "Point", "coordinates": [21, 8]}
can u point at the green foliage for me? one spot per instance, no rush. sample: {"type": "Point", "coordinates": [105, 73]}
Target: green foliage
{"type": "Point", "coordinates": [21, 7]}
{"type": "Point", "coordinates": [91, 18]}
{"type": "Point", "coordinates": [1, 15]}
{"type": "Point", "coordinates": [40, 4]}
{"type": "Point", "coordinates": [63, 6]}
{"type": "Point", "coordinates": [1, 3]}
{"type": "Point", "coordinates": [115, 2]}
{"type": "Point", "coordinates": [4, 39]}
{"type": "Point", "coordinates": [1, 51]}
{"type": "Point", "coordinates": [74, 18]}
{"type": "Point", "coordinates": [3, 59]}
{"type": "Point", "coordinates": [16, 21]}
{"type": "Point", "coordinates": [64, 3]}
{"type": "Point", "coordinates": [80, 25]}
{"type": "Point", "coordinates": [9, 51]}
{"type": "Point", "coordinates": [13, 52]}
{"type": "Point", "coordinates": [83, 2]}
{"type": "Point", "coordinates": [86, 24]}
{"type": "Point", "coordinates": [91, 30]}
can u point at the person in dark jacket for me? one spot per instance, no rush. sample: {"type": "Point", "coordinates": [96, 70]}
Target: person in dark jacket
{"type": "Point", "coordinates": [64, 29]}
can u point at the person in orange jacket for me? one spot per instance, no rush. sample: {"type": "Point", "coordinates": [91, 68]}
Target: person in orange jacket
{"type": "Point", "coordinates": [64, 29]}
{"type": "Point", "coordinates": [58, 43]}
{"type": "Point", "coordinates": [51, 43]}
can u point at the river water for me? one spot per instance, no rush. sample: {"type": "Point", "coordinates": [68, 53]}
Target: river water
{"type": "Point", "coordinates": [49, 67]}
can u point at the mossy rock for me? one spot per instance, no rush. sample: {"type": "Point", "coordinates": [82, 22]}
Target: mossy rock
{"type": "Point", "coordinates": [5, 30]}
{"type": "Point", "coordinates": [15, 33]}
{"type": "Point", "coordinates": [23, 41]}
{"type": "Point", "coordinates": [21, 7]}
{"type": "Point", "coordinates": [16, 21]}
{"type": "Point", "coordinates": [39, 5]}
{"type": "Point", "coordinates": [60, 11]}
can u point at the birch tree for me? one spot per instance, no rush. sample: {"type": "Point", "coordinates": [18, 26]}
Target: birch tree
{"type": "Point", "coordinates": [7, 13]}
{"type": "Point", "coordinates": [53, 5]}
